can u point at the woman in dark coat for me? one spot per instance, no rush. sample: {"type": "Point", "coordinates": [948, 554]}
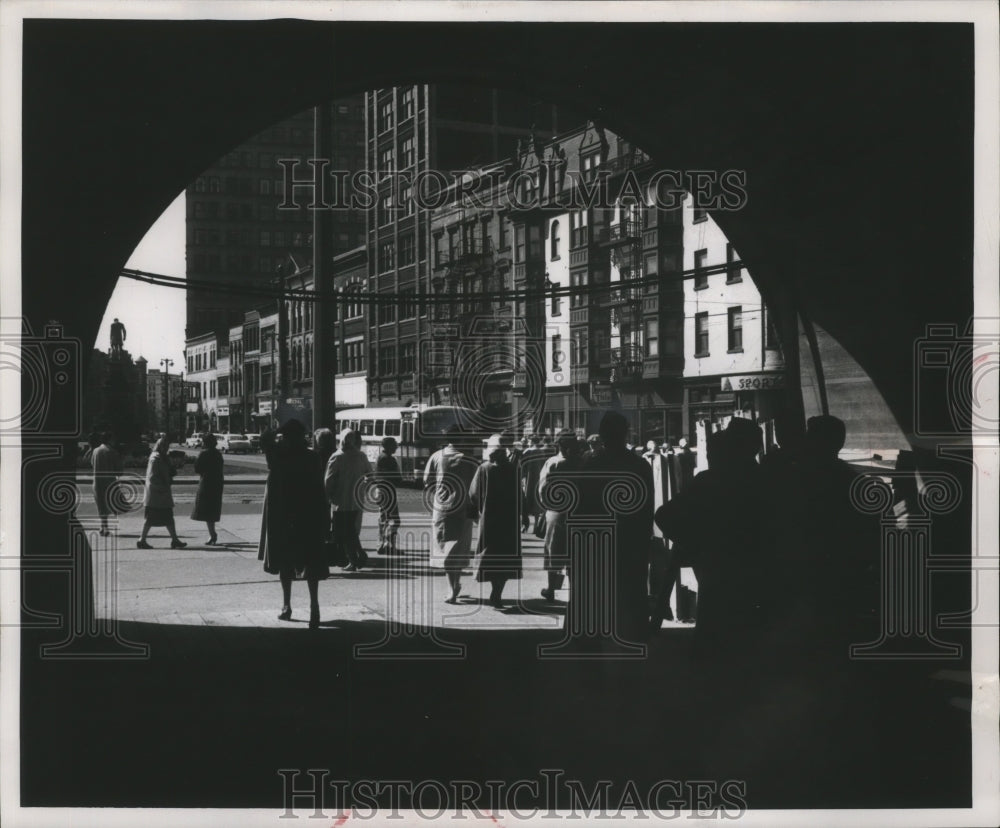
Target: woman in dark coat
{"type": "Point", "coordinates": [496, 495]}
{"type": "Point", "coordinates": [295, 516]}
{"type": "Point", "coordinates": [208, 499]}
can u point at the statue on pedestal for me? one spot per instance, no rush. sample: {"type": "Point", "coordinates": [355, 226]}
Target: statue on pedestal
{"type": "Point", "coordinates": [117, 339]}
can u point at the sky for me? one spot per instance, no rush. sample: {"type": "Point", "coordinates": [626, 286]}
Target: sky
{"type": "Point", "coordinates": [153, 316]}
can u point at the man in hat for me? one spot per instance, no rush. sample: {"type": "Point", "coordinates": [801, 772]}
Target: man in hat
{"type": "Point", "coordinates": [495, 495]}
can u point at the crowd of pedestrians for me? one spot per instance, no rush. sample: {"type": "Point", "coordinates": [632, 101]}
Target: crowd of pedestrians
{"type": "Point", "coordinates": [773, 540]}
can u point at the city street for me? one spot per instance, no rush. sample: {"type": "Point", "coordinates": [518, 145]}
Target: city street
{"type": "Point", "coordinates": [226, 585]}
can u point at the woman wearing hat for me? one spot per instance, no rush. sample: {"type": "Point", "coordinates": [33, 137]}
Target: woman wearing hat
{"type": "Point", "coordinates": [344, 484]}
{"type": "Point", "coordinates": [448, 475]}
{"type": "Point", "coordinates": [208, 499]}
{"type": "Point", "coordinates": [496, 495]}
{"type": "Point", "coordinates": [295, 516]}
{"type": "Point", "coordinates": [158, 500]}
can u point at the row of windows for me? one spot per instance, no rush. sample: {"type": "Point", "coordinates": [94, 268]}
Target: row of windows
{"type": "Point", "coordinates": [734, 272]}
{"type": "Point", "coordinates": [201, 361]}
{"type": "Point", "coordinates": [734, 329]}
{"type": "Point", "coordinates": [252, 211]}
{"type": "Point", "coordinates": [387, 358]}
{"type": "Point", "coordinates": [388, 112]}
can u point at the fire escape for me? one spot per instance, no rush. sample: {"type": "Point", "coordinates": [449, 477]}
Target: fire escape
{"type": "Point", "coordinates": [625, 299]}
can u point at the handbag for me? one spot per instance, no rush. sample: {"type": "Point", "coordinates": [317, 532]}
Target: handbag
{"type": "Point", "coordinates": [334, 554]}
{"type": "Point", "coordinates": [540, 526]}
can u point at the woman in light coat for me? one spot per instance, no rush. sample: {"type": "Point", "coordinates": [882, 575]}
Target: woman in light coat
{"type": "Point", "coordinates": [447, 477]}
{"type": "Point", "coordinates": [158, 500]}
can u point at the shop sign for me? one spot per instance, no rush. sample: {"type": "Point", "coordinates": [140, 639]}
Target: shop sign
{"type": "Point", "coordinates": [753, 382]}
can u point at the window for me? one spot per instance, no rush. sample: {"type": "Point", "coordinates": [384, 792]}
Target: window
{"type": "Point", "coordinates": [652, 337]}
{"type": "Point", "coordinates": [770, 332]}
{"type": "Point", "coordinates": [406, 200]}
{"type": "Point", "coordinates": [701, 334]}
{"type": "Point", "coordinates": [529, 188]}
{"type": "Point", "coordinates": [519, 234]}
{"type": "Point", "coordinates": [407, 104]}
{"type": "Point", "coordinates": [578, 297]}
{"type": "Point", "coordinates": [734, 272]}
{"type": "Point", "coordinates": [554, 241]}
{"type": "Point", "coordinates": [700, 277]}
{"type": "Point", "coordinates": [735, 329]}
{"type": "Point", "coordinates": [578, 228]}
{"type": "Point", "coordinates": [352, 302]}
{"type": "Point", "coordinates": [407, 250]}
{"type": "Point", "coordinates": [385, 114]}
{"type": "Point", "coordinates": [439, 250]}
{"type": "Point", "coordinates": [387, 256]}
{"type": "Point", "coordinates": [408, 357]}
{"type": "Point", "coordinates": [407, 153]}
{"type": "Point", "coordinates": [579, 354]}
{"type": "Point", "coordinates": [504, 234]}
{"type": "Point", "coordinates": [386, 208]}
{"type": "Point", "coordinates": [700, 215]}
{"type": "Point", "coordinates": [387, 159]}
{"type": "Point", "coordinates": [590, 163]}
{"type": "Point", "coordinates": [354, 357]}
{"type": "Point", "coordinates": [392, 428]}
{"type": "Point", "coordinates": [556, 301]}
{"type": "Point", "coordinates": [407, 303]}
{"type": "Point", "coordinates": [264, 186]}
{"type": "Point", "coordinates": [386, 312]}
{"type": "Point", "coordinates": [387, 360]}
{"type": "Point", "coordinates": [534, 242]}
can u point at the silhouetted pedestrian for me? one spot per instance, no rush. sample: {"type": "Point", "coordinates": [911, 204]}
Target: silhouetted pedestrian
{"type": "Point", "coordinates": [616, 485]}
{"type": "Point", "coordinates": [495, 494]}
{"type": "Point", "coordinates": [388, 474]}
{"type": "Point", "coordinates": [560, 470]}
{"type": "Point", "coordinates": [295, 516]}
{"type": "Point", "coordinates": [208, 498]}
{"type": "Point", "coordinates": [724, 522]}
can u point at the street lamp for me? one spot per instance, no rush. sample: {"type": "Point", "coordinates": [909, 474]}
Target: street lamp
{"type": "Point", "coordinates": [167, 364]}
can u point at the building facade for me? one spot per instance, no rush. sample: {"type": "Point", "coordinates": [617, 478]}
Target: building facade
{"type": "Point", "coordinates": [241, 224]}
{"type": "Point", "coordinates": [734, 364]}
{"type": "Point", "coordinates": [418, 134]}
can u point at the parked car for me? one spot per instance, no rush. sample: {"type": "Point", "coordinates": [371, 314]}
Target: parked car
{"type": "Point", "coordinates": [194, 441]}
{"type": "Point", "coordinates": [235, 444]}
{"type": "Point", "coordinates": [254, 442]}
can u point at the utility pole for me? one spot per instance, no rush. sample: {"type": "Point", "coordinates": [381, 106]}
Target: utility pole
{"type": "Point", "coordinates": [324, 311]}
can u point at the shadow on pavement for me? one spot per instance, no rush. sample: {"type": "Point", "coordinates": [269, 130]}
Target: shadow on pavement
{"type": "Point", "coordinates": [214, 712]}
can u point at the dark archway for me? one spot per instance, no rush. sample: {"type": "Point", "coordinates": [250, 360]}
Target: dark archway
{"type": "Point", "coordinates": [856, 139]}
{"type": "Point", "coordinates": [859, 199]}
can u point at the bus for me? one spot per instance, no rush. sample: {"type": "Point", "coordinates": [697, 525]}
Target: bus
{"type": "Point", "coordinates": [418, 429]}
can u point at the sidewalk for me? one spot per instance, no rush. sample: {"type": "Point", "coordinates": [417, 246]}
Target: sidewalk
{"type": "Point", "coordinates": [225, 585]}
